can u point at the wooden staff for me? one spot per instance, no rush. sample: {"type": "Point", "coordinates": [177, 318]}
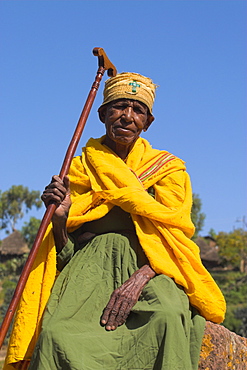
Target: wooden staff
{"type": "Point", "coordinates": [104, 64]}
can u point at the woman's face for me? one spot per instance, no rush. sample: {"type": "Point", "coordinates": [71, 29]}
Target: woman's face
{"type": "Point", "coordinates": [125, 120]}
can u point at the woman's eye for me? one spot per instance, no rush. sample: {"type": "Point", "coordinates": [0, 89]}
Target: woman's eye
{"type": "Point", "coordinates": [139, 110]}
{"type": "Point", "coordinates": [120, 107]}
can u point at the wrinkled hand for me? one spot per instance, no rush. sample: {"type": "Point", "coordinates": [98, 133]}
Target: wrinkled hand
{"type": "Point", "coordinates": [58, 192]}
{"type": "Point", "coordinates": [125, 297]}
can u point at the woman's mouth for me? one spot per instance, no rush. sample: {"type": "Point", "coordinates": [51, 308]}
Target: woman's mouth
{"type": "Point", "coordinates": [123, 129]}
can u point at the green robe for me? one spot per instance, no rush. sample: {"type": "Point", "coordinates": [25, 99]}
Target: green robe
{"type": "Point", "coordinates": [162, 332]}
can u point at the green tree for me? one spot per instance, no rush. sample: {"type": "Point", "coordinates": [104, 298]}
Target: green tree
{"type": "Point", "coordinates": [233, 248]}
{"type": "Point", "coordinates": [14, 203]}
{"type": "Point", "coordinates": [30, 229]}
{"type": "Point", "coordinates": [212, 233]}
{"type": "Point", "coordinates": [196, 215]}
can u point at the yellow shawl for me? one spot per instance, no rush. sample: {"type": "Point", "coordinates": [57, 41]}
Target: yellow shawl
{"type": "Point", "coordinates": [100, 180]}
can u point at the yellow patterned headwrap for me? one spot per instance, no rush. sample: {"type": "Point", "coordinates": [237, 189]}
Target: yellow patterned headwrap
{"type": "Point", "coordinates": [128, 85]}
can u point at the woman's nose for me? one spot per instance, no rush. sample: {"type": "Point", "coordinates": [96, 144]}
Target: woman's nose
{"type": "Point", "coordinates": [128, 114]}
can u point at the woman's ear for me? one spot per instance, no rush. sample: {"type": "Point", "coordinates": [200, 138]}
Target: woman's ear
{"type": "Point", "coordinates": [102, 113]}
{"type": "Point", "coordinates": [150, 119]}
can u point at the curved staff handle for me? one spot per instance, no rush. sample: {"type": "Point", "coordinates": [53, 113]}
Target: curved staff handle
{"type": "Point", "coordinates": [104, 64]}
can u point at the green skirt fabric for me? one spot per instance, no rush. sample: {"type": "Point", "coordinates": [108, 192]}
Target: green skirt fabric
{"type": "Point", "coordinates": [162, 332]}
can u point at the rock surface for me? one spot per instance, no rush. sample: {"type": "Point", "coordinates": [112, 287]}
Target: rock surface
{"type": "Point", "coordinates": [222, 349]}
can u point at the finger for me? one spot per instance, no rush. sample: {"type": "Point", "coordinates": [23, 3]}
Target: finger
{"type": "Point", "coordinates": [67, 183]}
{"type": "Point", "coordinates": [126, 306]}
{"type": "Point", "coordinates": [54, 192]}
{"type": "Point", "coordinates": [63, 186]}
{"type": "Point", "coordinates": [112, 323]}
{"type": "Point", "coordinates": [56, 178]}
{"type": "Point", "coordinates": [108, 308]}
{"type": "Point", "coordinates": [55, 188]}
{"type": "Point", "coordinates": [56, 185]}
{"type": "Point", "coordinates": [123, 313]}
{"type": "Point", "coordinates": [53, 195]}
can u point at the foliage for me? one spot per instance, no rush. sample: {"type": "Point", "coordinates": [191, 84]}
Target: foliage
{"type": "Point", "coordinates": [212, 233]}
{"type": "Point", "coordinates": [8, 288]}
{"type": "Point", "coordinates": [241, 314]}
{"type": "Point", "coordinates": [233, 248]}
{"type": "Point", "coordinates": [197, 216]}
{"type": "Point", "coordinates": [234, 287]}
{"type": "Point", "coordinates": [14, 203]}
{"type": "Point", "coordinates": [9, 275]}
{"type": "Point", "coordinates": [29, 230]}
{"type": "Point", "coordinates": [12, 267]}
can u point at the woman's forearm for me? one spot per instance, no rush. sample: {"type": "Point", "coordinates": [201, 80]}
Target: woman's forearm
{"type": "Point", "coordinates": [58, 192]}
{"type": "Point", "coordinates": [147, 272]}
{"type": "Point", "coordinates": [60, 234]}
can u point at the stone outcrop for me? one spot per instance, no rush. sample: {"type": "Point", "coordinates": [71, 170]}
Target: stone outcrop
{"type": "Point", "coordinates": [222, 349]}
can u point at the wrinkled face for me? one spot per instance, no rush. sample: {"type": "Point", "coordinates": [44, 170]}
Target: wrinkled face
{"type": "Point", "coordinates": [125, 120]}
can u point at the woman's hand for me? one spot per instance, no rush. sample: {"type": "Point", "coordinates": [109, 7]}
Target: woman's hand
{"type": "Point", "coordinates": [58, 192]}
{"type": "Point", "coordinates": [125, 297]}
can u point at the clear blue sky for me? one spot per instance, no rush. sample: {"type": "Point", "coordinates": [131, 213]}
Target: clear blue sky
{"type": "Point", "coordinates": [194, 50]}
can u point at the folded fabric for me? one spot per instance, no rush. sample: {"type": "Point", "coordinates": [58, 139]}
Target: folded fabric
{"type": "Point", "coordinates": [99, 180]}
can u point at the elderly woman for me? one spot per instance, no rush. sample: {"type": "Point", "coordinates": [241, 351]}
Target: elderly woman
{"type": "Point", "coordinates": [132, 292]}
